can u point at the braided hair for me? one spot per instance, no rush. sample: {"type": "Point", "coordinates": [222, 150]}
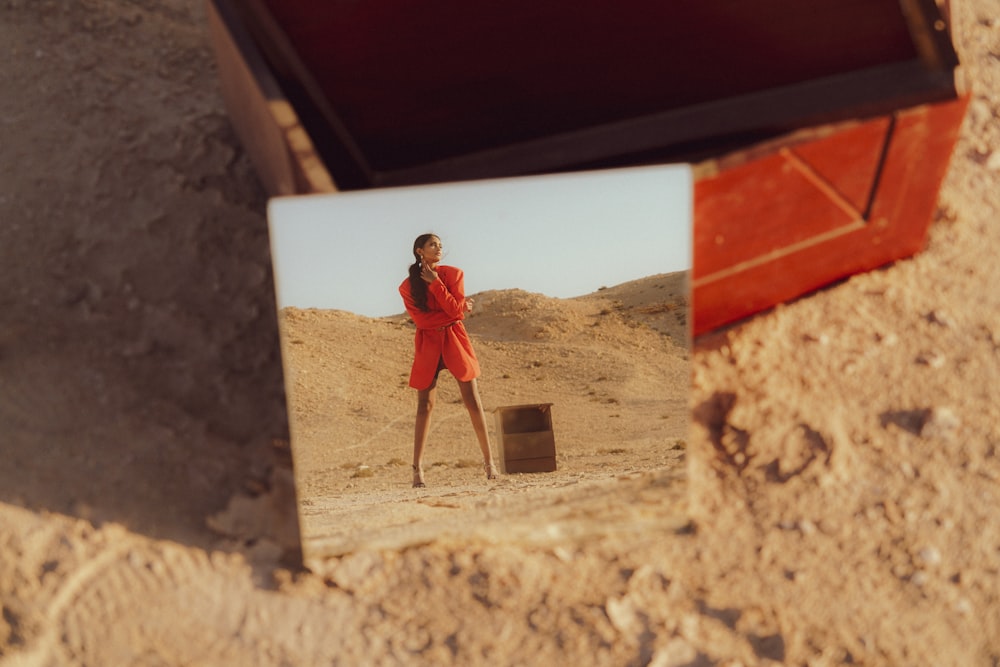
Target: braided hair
{"type": "Point", "coordinates": [418, 286]}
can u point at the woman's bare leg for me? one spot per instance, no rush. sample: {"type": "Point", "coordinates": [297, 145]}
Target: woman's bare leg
{"type": "Point", "coordinates": [470, 396]}
{"type": "Point", "coordinates": [421, 427]}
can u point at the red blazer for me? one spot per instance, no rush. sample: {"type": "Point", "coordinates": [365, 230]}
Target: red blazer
{"type": "Point", "coordinates": [441, 334]}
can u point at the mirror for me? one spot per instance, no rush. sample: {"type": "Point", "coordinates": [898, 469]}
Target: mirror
{"type": "Point", "coordinates": [581, 290]}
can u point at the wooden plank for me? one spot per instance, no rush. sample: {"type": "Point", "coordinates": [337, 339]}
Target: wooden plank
{"type": "Point", "coordinates": [761, 208]}
{"type": "Point", "coordinates": [779, 262]}
{"type": "Point", "coordinates": [929, 32]}
{"type": "Point", "coordinates": [539, 444]}
{"type": "Point", "coordinates": [343, 157]}
{"type": "Point", "coordinates": [691, 133]}
{"type": "Point", "coordinates": [850, 164]}
{"type": "Point", "coordinates": [282, 152]}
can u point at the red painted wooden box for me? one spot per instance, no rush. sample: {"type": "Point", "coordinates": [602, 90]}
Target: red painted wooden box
{"type": "Point", "coordinates": [821, 129]}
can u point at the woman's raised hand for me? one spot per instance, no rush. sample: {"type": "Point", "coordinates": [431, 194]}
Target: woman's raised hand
{"type": "Point", "coordinates": [427, 272]}
{"type": "Point", "coordinates": [468, 305]}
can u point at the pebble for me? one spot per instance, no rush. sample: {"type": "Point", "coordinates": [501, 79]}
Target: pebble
{"type": "Point", "coordinates": [888, 339]}
{"type": "Point", "coordinates": [892, 512]}
{"type": "Point", "coordinates": [624, 616]}
{"type": "Point", "coordinates": [356, 569]}
{"type": "Point", "coordinates": [932, 359]}
{"type": "Point", "coordinates": [929, 556]}
{"type": "Point", "coordinates": [942, 422]}
{"type": "Point", "coordinates": [675, 652]}
{"type": "Point", "coordinates": [822, 338]}
{"type": "Point", "coordinates": [940, 318]}
{"type": "Point", "coordinates": [993, 162]}
{"type": "Point", "coordinates": [564, 554]}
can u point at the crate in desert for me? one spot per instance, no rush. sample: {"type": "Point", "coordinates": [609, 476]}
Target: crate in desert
{"type": "Point", "coordinates": [525, 438]}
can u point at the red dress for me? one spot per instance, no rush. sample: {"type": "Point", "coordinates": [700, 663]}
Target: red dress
{"type": "Point", "coordinates": [441, 335]}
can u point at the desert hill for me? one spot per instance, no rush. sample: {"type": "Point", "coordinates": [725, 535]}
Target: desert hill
{"type": "Point", "coordinates": [658, 302]}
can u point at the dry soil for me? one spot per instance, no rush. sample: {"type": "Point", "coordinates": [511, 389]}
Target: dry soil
{"type": "Point", "coordinates": [839, 501]}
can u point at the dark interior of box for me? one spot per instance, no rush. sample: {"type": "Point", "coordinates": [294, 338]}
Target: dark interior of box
{"type": "Point", "coordinates": [525, 419]}
{"type": "Point", "coordinates": [396, 92]}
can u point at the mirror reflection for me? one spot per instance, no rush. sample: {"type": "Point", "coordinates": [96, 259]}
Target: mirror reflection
{"type": "Point", "coordinates": [554, 345]}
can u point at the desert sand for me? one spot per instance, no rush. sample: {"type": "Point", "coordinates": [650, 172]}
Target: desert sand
{"type": "Point", "coordinates": [613, 367]}
{"type": "Point", "coordinates": [836, 507]}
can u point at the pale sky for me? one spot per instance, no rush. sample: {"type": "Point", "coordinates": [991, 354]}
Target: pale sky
{"type": "Point", "coordinates": [561, 235]}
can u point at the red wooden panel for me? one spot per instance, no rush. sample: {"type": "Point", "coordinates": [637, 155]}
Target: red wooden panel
{"type": "Point", "coordinates": [752, 211]}
{"type": "Point", "coordinates": [849, 161]}
{"type": "Point", "coordinates": [914, 170]}
{"type": "Point", "coordinates": [915, 162]}
{"type": "Point", "coordinates": [751, 207]}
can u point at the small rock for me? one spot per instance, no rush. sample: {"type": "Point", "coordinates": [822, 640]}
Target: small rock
{"type": "Point", "coordinates": [941, 422]}
{"type": "Point", "coordinates": [563, 554]}
{"type": "Point", "coordinates": [993, 162]}
{"type": "Point", "coordinates": [356, 569]}
{"type": "Point", "coordinates": [831, 527]}
{"type": "Point", "coordinates": [888, 339]}
{"type": "Point", "coordinates": [624, 616]}
{"type": "Point", "coordinates": [938, 317]}
{"type": "Point", "coordinates": [675, 652]}
{"type": "Point", "coordinates": [822, 338]}
{"type": "Point", "coordinates": [932, 359]}
{"type": "Point", "coordinates": [929, 556]}
{"type": "Point", "coordinates": [892, 512]}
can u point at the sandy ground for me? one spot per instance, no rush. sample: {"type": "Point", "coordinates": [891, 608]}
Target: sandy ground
{"type": "Point", "coordinates": [839, 499]}
{"type": "Point", "coordinates": [614, 367]}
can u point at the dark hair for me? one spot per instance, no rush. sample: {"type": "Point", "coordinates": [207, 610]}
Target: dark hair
{"type": "Point", "coordinates": [418, 287]}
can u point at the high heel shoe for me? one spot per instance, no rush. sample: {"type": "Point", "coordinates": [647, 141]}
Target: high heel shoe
{"type": "Point", "coordinates": [491, 470]}
{"type": "Point", "coordinates": [418, 477]}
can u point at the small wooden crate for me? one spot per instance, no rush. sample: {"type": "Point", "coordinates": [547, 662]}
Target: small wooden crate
{"type": "Point", "coordinates": [527, 443]}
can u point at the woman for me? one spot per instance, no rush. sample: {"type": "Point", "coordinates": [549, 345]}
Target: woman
{"type": "Point", "coordinates": [434, 296]}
